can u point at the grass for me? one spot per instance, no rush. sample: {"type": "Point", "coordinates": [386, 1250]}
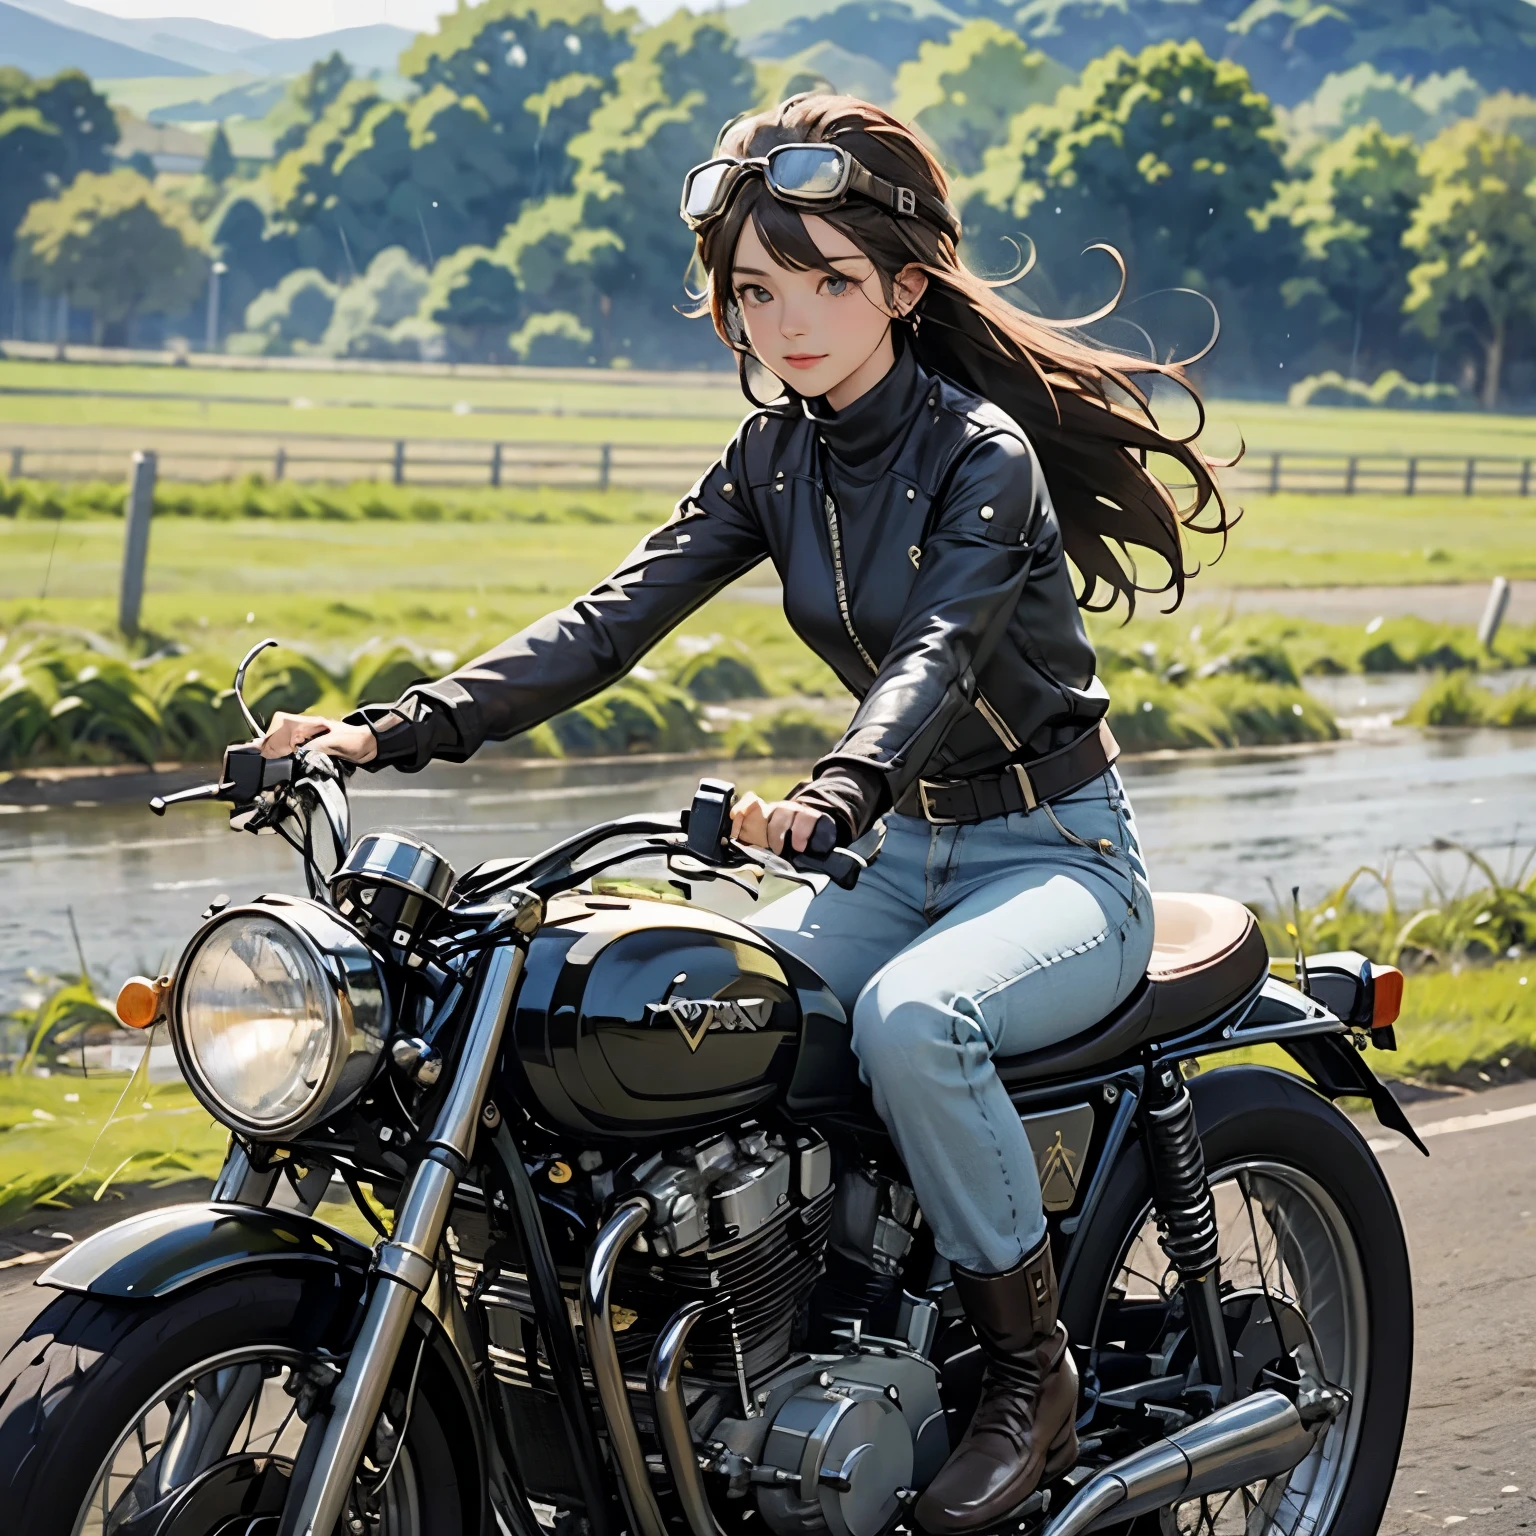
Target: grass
{"type": "Point", "coordinates": [66, 1139]}
{"type": "Point", "coordinates": [675, 410]}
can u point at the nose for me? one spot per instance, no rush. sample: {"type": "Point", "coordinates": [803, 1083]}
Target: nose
{"type": "Point", "coordinates": [794, 320]}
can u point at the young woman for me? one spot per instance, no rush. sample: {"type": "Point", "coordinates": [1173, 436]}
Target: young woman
{"type": "Point", "coordinates": [935, 460]}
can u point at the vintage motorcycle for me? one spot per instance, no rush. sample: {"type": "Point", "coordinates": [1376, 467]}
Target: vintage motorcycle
{"type": "Point", "coordinates": [647, 1262]}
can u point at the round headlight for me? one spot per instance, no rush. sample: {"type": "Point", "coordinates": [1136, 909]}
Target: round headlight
{"type": "Point", "coordinates": [279, 1016]}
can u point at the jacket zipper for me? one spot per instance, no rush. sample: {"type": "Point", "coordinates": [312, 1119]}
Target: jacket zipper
{"type": "Point", "coordinates": [835, 536]}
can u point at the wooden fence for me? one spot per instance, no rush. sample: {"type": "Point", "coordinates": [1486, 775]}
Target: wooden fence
{"type": "Point", "coordinates": [671, 468]}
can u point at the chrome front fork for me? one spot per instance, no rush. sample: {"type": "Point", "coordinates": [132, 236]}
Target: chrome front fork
{"type": "Point", "coordinates": [404, 1266]}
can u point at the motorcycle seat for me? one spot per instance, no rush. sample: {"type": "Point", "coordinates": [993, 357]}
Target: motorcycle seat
{"type": "Point", "coordinates": [1207, 953]}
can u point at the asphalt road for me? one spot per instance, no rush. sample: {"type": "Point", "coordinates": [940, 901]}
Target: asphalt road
{"type": "Point", "coordinates": [1469, 1459]}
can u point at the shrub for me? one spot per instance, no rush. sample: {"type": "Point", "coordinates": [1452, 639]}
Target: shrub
{"type": "Point", "coordinates": [1391, 391]}
{"type": "Point", "coordinates": [556, 339]}
{"type": "Point", "coordinates": [795, 732]}
{"type": "Point", "coordinates": [719, 674]}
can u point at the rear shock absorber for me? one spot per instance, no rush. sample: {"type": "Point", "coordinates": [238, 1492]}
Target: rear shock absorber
{"type": "Point", "coordinates": [1186, 1218]}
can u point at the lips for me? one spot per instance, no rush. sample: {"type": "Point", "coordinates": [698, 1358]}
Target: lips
{"type": "Point", "coordinates": [805, 359]}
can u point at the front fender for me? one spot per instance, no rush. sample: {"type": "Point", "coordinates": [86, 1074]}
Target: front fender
{"type": "Point", "coordinates": [147, 1257]}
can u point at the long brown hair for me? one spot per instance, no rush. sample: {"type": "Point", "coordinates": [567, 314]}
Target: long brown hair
{"type": "Point", "coordinates": [1091, 424]}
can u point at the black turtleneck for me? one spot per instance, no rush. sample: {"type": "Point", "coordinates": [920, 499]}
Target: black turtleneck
{"type": "Point", "coordinates": [858, 445]}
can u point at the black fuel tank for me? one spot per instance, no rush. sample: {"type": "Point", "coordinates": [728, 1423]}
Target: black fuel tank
{"type": "Point", "coordinates": [637, 1018]}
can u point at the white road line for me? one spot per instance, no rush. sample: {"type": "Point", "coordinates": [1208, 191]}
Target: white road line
{"type": "Point", "coordinates": [1458, 1123]}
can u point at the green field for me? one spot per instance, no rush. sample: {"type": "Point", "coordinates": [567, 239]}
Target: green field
{"type": "Point", "coordinates": [605, 407]}
{"type": "Point", "coordinates": [406, 573]}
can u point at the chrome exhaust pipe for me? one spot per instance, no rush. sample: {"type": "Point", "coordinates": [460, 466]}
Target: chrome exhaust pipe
{"type": "Point", "coordinates": [1258, 1437]}
{"type": "Point", "coordinates": [672, 1420]}
{"type": "Point", "coordinates": [607, 1373]}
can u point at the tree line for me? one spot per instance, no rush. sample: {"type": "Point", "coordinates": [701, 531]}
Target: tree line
{"type": "Point", "coordinates": [519, 204]}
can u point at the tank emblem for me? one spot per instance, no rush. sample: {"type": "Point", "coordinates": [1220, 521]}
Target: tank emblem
{"type": "Point", "coordinates": [695, 1017]}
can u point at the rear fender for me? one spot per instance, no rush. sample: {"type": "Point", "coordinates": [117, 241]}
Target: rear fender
{"type": "Point", "coordinates": [1318, 1040]}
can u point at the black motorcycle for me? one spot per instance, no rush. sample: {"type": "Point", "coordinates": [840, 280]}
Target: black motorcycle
{"type": "Point", "coordinates": [647, 1261]}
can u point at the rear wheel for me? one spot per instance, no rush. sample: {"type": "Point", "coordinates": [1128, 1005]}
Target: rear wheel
{"type": "Point", "coordinates": [184, 1417]}
{"type": "Point", "coordinates": [1313, 1263]}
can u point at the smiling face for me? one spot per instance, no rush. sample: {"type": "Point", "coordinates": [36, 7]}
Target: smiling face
{"type": "Point", "coordinates": [822, 334]}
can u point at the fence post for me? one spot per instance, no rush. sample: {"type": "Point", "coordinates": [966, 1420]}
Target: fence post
{"type": "Point", "coordinates": [1525, 476]}
{"type": "Point", "coordinates": [1349, 475]}
{"type": "Point", "coordinates": [279, 464]}
{"type": "Point", "coordinates": [604, 466]}
{"type": "Point", "coordinates": [496, 466]}
{"type": "Point", "coordinates": [1274, 474]}
{"type": "Point", "coordinates": [1413, 477]}
{"type": "Point", "coordinates": [1466, 489]}
{"type": "Point", "coordinates": [1493, 613]}
{"type": "Point", "coordinates": [141, 506]}
{"type": "Point", "coordinates": [18, 454]}
{"type": "Point", "coordinates": [399, 468]}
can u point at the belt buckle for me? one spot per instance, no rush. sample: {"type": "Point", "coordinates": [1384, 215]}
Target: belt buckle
{"type": "Point", "coordinates": [931, 816]}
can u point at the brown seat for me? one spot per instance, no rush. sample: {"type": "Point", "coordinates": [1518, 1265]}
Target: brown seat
{"type": "Point", "coordinates": [1207, 954]}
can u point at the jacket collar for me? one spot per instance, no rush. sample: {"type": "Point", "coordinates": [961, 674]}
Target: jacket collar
{"type": "Point", "coordinates": [879, 418]}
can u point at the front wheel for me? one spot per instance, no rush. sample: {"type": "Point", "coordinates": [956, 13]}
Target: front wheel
{"type": "Point", "coordinates": [1312, 1255]}
{"type": "Point", "coordinates": [185, 1416]}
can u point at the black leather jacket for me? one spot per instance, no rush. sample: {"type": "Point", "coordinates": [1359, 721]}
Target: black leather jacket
{"type": "Point", "coordinates": [921, 560]}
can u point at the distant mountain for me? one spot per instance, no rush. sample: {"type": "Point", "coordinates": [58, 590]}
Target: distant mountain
{"type": "Point", "coordinates": [44, 47]}
{"type": "Point", "coordinates": [187, 44]}
{"type": "Point", "coordinates": [366, 48]}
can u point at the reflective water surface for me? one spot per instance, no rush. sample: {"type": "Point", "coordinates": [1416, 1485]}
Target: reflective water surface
{"type": "Point", "coordinates": [1235, 823]}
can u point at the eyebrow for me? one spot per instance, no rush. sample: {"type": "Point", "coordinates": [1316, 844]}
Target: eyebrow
{"type": "Point", "coordinates": [747, 272]}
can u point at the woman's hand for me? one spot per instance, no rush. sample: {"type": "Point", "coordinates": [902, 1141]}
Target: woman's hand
{"type": "Point", "coordinates": [335, 738]}
{"type": "Point", "coordinates": [759, 824]}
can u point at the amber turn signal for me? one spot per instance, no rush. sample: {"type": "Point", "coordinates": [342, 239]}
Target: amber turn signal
{"type": "Point", "coordinates": [140, 1001]}
{"type": "Point", "coordinates": [1386, 995]}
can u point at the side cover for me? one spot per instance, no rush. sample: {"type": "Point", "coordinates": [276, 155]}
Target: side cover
{"type": "Point", "coordinates": [640, 1017]}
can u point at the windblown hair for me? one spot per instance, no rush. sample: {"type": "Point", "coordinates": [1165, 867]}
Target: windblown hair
{"type": "Point", "coordinates": [1090, 422]}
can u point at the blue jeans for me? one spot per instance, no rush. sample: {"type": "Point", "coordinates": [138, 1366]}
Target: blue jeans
{"type": "Point", "coordinates": [962, 943]}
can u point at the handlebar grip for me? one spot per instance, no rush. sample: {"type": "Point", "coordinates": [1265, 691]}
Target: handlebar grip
{"type": "Point", "coordinates": [841, 866]}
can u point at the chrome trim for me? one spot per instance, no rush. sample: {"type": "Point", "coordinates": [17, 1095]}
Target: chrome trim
{"type": "Point", "coordinates": [672, 1420]}
{"type": "Point", "coordinates": [835, 539]}
{"type": "Point", "coordinates": [316, 1507]}
{"type": "Point", "coordinates": [603, 1352]}
{"type": "Point", "coordinates": [1260, 1437]}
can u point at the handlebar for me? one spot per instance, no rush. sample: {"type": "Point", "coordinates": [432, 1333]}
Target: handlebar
{"type": "Point", "coordinates": [284, 794]}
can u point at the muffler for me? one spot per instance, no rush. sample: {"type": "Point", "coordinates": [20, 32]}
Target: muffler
{"type": "Point", "coordinates": [1256, 1438]}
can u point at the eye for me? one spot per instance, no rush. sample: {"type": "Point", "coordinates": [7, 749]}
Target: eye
{"type": "Point", "coordinates": [753, 293]}
{"type": "Point", "coordinates": [835, 287]}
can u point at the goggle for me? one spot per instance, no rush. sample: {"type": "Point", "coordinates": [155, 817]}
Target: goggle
{"type": "Point", "coordinates": [805, 176]}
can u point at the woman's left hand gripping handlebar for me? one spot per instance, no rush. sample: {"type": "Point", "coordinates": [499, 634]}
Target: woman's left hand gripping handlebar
{"type": "Point", "coordinates": [335, 738]}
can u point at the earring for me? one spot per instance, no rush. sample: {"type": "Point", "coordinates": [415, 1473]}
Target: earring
{"type": "Point", "coordinates": [913, 319]}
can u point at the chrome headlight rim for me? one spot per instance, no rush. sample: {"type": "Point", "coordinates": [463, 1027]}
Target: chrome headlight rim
{"type": "Point", "coordinates": [355, 999]}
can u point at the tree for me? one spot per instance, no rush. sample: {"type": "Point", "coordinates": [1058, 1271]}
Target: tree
{"type": "Point", "coordinates": [686, 78]}
{"type": "Point", "coordinates": [292, 315]}
{"type": "Point", "coordinates": [50, 131]}
{"type": "Point", "coordinates": [369, 311]}
{"type": "Point", "coordinates": [1169, 155]}
{"type": "Point", "coordinates": [308, 99]}
{"type": "Point", "coordinates": [1474, 234]}
{"type": "Point", "coordinates": [1352, 213]}
{"type": "Point", "coordinates": [113, 245]}
{"type": "Point", "coordinates": [539, 68]}
{"type": "Point", "coordinates": [963, 92]}
{"type": "Point", "coordinates": [474, 295]}
{"type": "Point", "coordinates": [1365, 94]}
{"type": "Point", "coordinates": [220, 164]}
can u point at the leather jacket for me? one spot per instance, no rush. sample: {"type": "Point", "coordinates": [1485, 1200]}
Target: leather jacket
{"type": "Point", "coordinates": [920, 557]}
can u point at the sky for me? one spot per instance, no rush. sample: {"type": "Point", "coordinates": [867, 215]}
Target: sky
{"type": "Point", "coordinates": [301, 18]}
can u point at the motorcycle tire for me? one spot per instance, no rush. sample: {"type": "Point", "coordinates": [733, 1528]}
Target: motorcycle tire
{"type": "Point", "coordinates": [86, 1369]}
{"type": "Point", "coordinates": [1250, 1115]}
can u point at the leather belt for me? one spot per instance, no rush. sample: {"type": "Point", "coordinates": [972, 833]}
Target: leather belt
{"type": "Point", "coordinates": [1019, 787]}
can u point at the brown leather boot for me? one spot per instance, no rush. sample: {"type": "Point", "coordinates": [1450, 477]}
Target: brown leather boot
{"type": "Point", "coordinates": [1024, 1432]}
